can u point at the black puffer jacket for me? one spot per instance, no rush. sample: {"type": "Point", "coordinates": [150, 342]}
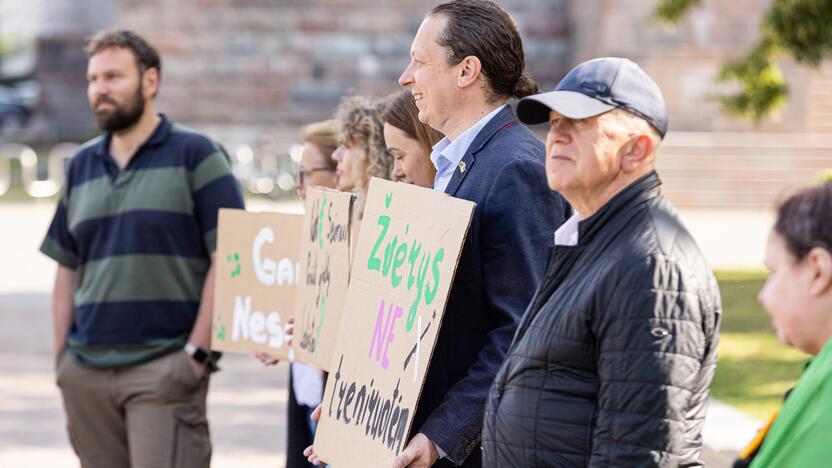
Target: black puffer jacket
{"type": "Point", "coordinates": [612, 360]}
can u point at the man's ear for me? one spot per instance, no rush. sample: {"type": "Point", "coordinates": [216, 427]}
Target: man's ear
{"type": "Point", "coordinates": [819, 260]}
{"type": "Point", "coordinates": [470, 69]}
{"type": "Point", "coordinates": [636, 152]}
{"type": "Point", "coordinates": [150, 82]}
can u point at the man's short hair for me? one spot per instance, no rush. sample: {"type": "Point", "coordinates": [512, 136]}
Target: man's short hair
{"type": "Point", "coordinates": [637, 124]}
{"type": "Point", "coordinates": [146, 56]}
{"type": "Point", "coordinates": [483, 29]}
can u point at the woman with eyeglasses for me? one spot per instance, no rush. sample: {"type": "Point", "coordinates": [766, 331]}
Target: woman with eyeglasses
{"type": "Point", "coordinates": [317, 168]}
{"type": "Point", "coordinates": [409, 141]}
{"type": "Point", "coordinates": [798, 297]}
{"type": "Point", "coordinates": [344, 154]}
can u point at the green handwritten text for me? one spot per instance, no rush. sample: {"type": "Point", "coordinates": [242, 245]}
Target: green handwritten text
{"type": "Point", "coordinates": [397, 253]}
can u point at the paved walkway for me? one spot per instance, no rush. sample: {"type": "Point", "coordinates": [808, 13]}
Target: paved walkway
{"type": "Point", "coordinates": [247, 402]}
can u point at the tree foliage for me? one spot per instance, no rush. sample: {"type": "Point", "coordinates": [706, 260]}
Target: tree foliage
{"type": "Point", "coordinates": [672, 11]}
{"type": "Point", "coordinates": [800, 29]}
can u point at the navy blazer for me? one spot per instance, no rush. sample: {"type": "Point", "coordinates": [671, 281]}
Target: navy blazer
{"type": "Point", "coordinates": [502, 262]}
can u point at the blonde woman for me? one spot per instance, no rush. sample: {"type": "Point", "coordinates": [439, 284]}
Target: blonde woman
{"type": "Point", "coordinates": [317, 168]}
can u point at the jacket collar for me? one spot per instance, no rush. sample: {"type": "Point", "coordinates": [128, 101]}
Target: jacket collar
{"type": "Point", "coordinates": [621, 205]}
{"type": "Point", "coordinates": [505, 118]}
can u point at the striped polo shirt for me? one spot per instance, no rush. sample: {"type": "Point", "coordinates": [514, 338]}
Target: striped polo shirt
{"type": "Point", "coordinates": [139, 241]}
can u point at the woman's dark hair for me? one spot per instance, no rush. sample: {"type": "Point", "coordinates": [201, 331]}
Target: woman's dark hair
{"type": "Point", "coordinates": [403, 114]}
{"type": "Point", "coordinates": [146, 56]}
{"type": "Point", "coordinates": [804, 220]}
{"type": "Point", "coordinates": [483, 29]}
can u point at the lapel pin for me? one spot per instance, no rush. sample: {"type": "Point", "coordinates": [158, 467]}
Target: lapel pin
{"type": "Point", "coordinates": [462, 166]}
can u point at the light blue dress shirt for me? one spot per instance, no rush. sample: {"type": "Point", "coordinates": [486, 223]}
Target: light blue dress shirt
{"type": "Point", "coordinates": [447, 154]}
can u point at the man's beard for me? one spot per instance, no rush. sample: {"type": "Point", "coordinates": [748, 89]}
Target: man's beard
{"type": "Point", "coordinates": [120, 117]}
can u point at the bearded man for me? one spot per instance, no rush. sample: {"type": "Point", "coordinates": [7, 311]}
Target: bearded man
{"type": "Point", "coordinates": [134, 235]}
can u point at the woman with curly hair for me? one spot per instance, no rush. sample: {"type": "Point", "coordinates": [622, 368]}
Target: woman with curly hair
{"type": "Point", "coordinates": [361, 153]}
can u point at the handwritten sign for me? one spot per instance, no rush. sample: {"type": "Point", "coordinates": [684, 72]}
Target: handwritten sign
{"type": "Point", "coordinates": [405, 260]}
{"type": "Point", "coordinates": [325, 274]}
{"type": "Point", "coordinates": [256, 274]}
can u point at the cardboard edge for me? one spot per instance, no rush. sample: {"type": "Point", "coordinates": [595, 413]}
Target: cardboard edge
{"type": "Point", "coordinates": [283, 354]}
{"type": "Point", "coordinates": [409, 434]}
{"type": "Point", "coordinates": [300, 356]}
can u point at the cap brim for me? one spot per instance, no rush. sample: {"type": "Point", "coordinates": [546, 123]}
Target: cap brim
{"type": "Point", "coordinates": [535, 109]}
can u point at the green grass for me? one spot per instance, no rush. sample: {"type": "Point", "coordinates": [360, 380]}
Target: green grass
{"type": "Point", "coordinates": [754, 369]}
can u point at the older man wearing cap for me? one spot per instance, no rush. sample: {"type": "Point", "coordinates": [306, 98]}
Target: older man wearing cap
{"type": "Point", "coordinates": [612, 360]}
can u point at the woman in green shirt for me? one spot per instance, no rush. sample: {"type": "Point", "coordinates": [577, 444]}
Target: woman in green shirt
{"type": "Point", "coordinates": [798, 296]}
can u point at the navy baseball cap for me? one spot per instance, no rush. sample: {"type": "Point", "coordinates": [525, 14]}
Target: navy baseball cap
{"type": "Point", "coordinates": [597, 86]}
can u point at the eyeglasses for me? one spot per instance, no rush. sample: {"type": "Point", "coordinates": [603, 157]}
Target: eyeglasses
{"type": "Point", "coordinates": [305, 171]}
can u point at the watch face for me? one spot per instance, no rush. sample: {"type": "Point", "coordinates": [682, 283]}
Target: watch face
{"type": "Point", "coordinates": [200, 355]}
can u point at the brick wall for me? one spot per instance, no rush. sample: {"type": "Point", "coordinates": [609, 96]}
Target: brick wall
{"type": "Point", "coordinates": [250, 72]}
{"type": "Point", "coordinates": [245, 67]}
{"type": "Point", "coordinates": [739, 169]}
{"type": "Point", "coordinates": [63, 112]}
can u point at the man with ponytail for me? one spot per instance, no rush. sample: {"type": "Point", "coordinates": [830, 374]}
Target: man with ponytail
{"type": "Point", "coordinates": [467, 61]}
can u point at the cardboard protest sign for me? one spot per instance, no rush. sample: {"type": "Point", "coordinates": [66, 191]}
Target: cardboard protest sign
{"type": "Point", "coordinates": [324, 273]}
{"type": "Point", "coordinates": [256, 272]}
{"type": "Point", "coordinates": [405, 260]}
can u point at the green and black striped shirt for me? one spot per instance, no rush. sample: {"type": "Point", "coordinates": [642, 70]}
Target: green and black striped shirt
{"type": "Point", "coordinates": [139, 240]}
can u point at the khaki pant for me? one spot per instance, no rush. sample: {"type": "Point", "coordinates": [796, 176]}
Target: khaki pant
{"type": "Point", "coordinates": [147, 416]}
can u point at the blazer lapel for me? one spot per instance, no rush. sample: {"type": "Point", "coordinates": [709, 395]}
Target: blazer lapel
{"type": "Point", "coordinates": [460, 172]}
{"type": "Point", "coordinates": [503, 119]}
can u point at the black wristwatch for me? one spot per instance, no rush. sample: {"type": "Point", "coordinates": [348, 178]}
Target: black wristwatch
{"type": "Point", "coordinates": [202, 356]}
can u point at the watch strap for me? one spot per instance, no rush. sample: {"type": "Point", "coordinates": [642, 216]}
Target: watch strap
{"type": "Point", "coordinates": [200, 355]}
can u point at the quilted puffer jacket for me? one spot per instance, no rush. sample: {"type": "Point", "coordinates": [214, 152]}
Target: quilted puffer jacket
{"type": "Point", "coordinates": [612, 360]}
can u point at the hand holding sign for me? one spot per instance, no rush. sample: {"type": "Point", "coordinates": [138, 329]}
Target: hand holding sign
{"type": "Point", "coordinates": [420, 451]}
{"type": "Point", "coordinates": [267, 358]}
{"type": "Point", "coordinates": [309, 452]}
